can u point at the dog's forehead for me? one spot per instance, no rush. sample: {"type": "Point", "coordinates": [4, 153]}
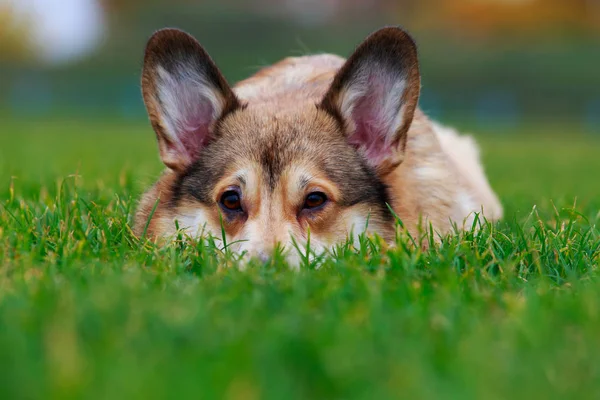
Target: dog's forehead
{"type": "Point", "coordinates": [278, 142]}
{"type": "Point", "coordinates": [271, 144]}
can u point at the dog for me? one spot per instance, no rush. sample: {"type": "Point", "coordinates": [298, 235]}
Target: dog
{"type": "Point", "coordinates": [311, 148]}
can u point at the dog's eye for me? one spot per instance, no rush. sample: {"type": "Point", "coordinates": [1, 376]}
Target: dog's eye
{"type": "Point", "coordinates": [314, 200]}
{"type": "Point", "coordinates": [231, 200]}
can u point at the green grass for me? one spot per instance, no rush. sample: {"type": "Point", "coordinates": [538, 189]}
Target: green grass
{"type": "Point", "coordinates": [86, 311]}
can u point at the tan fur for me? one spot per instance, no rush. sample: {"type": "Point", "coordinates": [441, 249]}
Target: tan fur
{"type": "Point", "coordinates": [157, 199]}
{"type": "Point", "coordinates": [439, 166]}
{"type": "Point", "coordinates": [441, 180]}
{"type": "Point", "coordinates": [438, 179]}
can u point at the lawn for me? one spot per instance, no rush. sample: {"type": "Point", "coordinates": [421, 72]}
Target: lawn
{"type": "Point", "coordinates": [88, 311]}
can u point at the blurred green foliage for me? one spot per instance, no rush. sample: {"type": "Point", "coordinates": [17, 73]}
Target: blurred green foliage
{"type": "Point", "coordinates": [88, 311]}
{"type": "Point", "coordinates": [506, 77]}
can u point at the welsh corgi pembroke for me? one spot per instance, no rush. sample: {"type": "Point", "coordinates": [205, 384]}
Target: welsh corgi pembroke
{"type": "Point", "coordinates": [311, 146]}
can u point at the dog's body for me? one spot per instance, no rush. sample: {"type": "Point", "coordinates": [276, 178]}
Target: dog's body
{"type": "Point", "coordinates": [311, 143]}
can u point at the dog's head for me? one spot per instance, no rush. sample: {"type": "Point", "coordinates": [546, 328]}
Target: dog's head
{"type": "Point", "coordinates": [264, 176]}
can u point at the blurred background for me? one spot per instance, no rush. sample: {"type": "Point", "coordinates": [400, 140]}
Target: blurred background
{"type": "Point", "coordinates": [501, 62]}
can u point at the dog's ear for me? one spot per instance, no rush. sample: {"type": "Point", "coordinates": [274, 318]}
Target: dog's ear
{"type": "Point", "coordinates": [185, 95]}
{"type": "Point", "coordinates": [375, 95]}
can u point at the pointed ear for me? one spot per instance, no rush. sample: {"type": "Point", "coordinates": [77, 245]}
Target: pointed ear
{"type": "Point", "coordinates": [375, 95]}
{"type": "Point", "coordinates": [185, 95]}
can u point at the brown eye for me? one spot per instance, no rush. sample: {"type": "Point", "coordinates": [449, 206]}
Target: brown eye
{"type": "Point", "coordinates": [315, 200]}
{"type": "Point", "coordinates": [231, 200]}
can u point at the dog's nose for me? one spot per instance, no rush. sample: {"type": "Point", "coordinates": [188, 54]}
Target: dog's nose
{"type": "Point", "coordinates": [263, 256]}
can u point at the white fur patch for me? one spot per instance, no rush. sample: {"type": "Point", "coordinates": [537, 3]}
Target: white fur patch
{"type": "Point", "coordinates": [468, 208]}
{"type": "Point", "coordinates": [193, 224]}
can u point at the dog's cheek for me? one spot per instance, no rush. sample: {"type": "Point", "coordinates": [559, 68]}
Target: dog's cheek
{"type": "Point", "coordinates": [197, 220]}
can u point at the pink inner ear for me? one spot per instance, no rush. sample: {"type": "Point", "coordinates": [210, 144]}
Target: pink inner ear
{"type": "Point", "coordinates": [194, 129]}
{"type": "Point", "coordinates": [373, 126]}
{"type": "Point", "coordinates": [188, 109]}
